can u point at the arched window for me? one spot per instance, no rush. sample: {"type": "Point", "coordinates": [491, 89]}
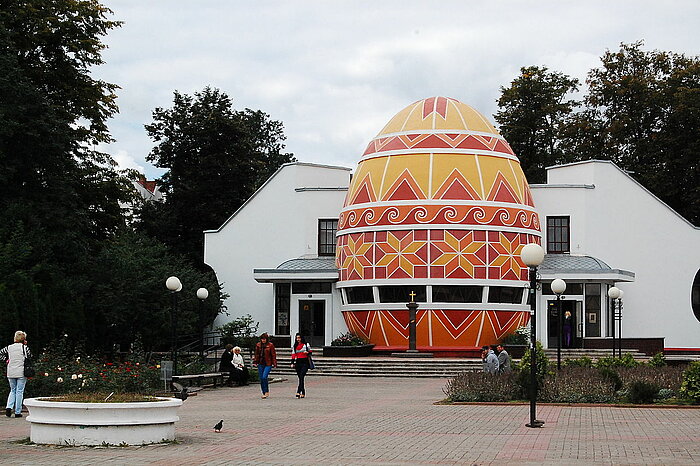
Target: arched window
{"type": "Point", "coordinates": [695, 296]}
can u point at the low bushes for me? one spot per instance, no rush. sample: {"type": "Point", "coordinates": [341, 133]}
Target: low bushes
{"type": "Point", "coordinates": [609, 380]}
{"type": "Point", "coordinates": [479, 386]}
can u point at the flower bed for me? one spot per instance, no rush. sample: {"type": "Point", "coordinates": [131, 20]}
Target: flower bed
{"type": "Point", "coordinates": [71, 423]}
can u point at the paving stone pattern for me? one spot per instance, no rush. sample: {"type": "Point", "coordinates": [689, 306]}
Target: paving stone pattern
{"type": "Point", "coordinates": [385, 421]}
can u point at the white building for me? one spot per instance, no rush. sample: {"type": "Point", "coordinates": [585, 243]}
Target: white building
{"type": "Point", "coordinates": [276, 261]}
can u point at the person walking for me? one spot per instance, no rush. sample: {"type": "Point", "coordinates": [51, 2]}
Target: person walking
{"type": "Point", "coordinates": [265, 359]}
{"type": "Point", "coordinates": [15, 354]}
{"type": "Point", "coordinates": [490, 360]}
{"type": "Point", "coordinates": [503, 360]}
{"type": "Point", "coordinates": [301, 352]}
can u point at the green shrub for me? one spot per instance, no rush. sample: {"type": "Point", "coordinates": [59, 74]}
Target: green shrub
{"type": "Point", "coordinates": [642, 392]}
{"type": "Point", "coordinates": [690, 387]}
{"type": "Point", "coordinates": [520, 337]}
{"type": "Point", "coordinates": [666, 393]}
{"type": "Point", "coordinates": [478, 386]}
{"type": "Point", "coordinates": [611, 377]}
{"type": "Point", "coordinates": [542, 369]}
{"type": "Point", "coordinates": [584, 361]}
{"type": "Point", "coordinates": [241, 331]}
{"type": "Point", "coordinates": [627, 360]}
{"type": "Point", "coordinates": [658, 360]}
{"type": "Point", "coordinates": [349, 339]}
{"type": "Point", "coordinates": [577, 385]}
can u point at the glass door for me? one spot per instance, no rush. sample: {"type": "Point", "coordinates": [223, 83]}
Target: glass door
{"type": "Point", "coordinates": [312, 321]}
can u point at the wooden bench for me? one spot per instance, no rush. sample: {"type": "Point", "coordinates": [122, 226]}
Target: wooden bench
{"type": "Point", "coordinates": [198, 378]}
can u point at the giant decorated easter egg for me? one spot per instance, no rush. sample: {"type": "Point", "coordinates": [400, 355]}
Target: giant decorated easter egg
{"type": "Point", "coordinates": [437, 211]}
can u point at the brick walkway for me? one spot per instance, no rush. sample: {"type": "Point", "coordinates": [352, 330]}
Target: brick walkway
{"type": "Point", "coordinates": [386, 421]}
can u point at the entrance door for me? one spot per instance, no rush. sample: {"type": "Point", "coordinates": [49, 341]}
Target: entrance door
{"type": "Point", "coordinates": [312, 322]}
{"type": "Point", "coordinates": [569, 325]}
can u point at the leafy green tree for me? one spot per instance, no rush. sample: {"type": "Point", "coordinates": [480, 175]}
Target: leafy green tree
{"type": "Point", "coordinates": [216, 158]}
{"type": "Point", "coordinates": [642, 111]}
{"type": "Point", "coordinates": [532, 115]}
{"type": "Point", "coordinates": [59, 198]}
{"type": "Point", "coordinates": [129, 297]}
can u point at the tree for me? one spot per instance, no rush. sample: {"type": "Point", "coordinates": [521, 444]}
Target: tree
{"type": "Point", "coordinates": [216, 158]}
{"type": "Point", "coordinates": [129, 296]}
{"type": "Point", "coordinates": [642, 111]}
{"type": "Point", "coordinates": [59, 198]}
{"type": "Point", "coordinates": [532, 115]}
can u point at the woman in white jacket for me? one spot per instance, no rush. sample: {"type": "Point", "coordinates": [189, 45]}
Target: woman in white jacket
{"type": "Point", "coordinates": [15, 354]}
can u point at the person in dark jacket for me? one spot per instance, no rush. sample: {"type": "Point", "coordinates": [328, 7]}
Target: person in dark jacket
{"type": "Point", "coordinates": [226, 365]}
{"type": "Point", "coordinates": [503, 360]}
{"type": "Point", "coordinates": [265, 359]}
{"type": "Point", "coordinates": [301, 352]}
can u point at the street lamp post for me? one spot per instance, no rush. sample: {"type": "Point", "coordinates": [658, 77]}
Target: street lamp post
{"type": "Point", "coordinates": [202, 294]}
{"type": "Point", "coordinates": [559, 287]}
{"type": "Point", "coordinates": [532, 255]}
{"type": "Point", "coordinates": [619, 322]}
{"type": "Point", "coordinates": [613, 294]}
{"type": "Point", "coordinates": [175, 286]}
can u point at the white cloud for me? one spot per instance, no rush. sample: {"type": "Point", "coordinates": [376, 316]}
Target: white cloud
{"type": "Point", "coordinates": [335, 72]}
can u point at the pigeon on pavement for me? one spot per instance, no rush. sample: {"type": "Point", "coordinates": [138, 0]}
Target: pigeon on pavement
{"type": "Point", "coordinates": [218, 426]}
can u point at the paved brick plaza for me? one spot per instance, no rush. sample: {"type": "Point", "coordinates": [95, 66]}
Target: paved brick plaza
{"type": "Point", "coordinates": [386, 421]}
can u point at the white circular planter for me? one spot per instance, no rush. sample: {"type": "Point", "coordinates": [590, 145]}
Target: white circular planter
{"type": "Point", "coordinates": [68, 423]}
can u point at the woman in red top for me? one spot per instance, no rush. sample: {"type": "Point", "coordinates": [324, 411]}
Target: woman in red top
{"type": "Point", "coordinates": [301, 351]}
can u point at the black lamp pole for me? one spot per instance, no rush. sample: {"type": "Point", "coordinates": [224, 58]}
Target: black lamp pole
{"type": "Point", "coordinates": [201, 328]}
{"type": "Point", "coordinates": [561, 330]}
{"type": "Point", "coordinates": [614, 325]}
{"type": "Point", "coordinates": [173, 325]}
{"type": "Point", "coordinates": [533, 354]}
{"type": "Point", "coordinates": [619, 325]}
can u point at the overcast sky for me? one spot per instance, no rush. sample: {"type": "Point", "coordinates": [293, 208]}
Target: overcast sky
{"type": "Point", "coordinates": [334, 72]}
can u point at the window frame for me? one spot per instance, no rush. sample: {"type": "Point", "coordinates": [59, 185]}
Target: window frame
{"type": "Point", "coordinates": [563, 246]}
{"type": "Point", "coordinates": [322, 231]}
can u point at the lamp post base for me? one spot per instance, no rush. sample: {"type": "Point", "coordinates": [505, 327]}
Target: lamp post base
{"type": "Point", "coordinates": [535, 423]}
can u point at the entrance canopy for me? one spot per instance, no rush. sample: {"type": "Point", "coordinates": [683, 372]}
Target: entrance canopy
{"type": "Point", "coordinates": [576, 268]}
{"type": "Point", "coordinates": [302, 269]}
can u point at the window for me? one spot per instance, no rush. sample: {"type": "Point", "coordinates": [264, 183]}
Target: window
{"type": "Point", "coordinates": [505, 294]}
{"type": "Point", "coordinates": [592, 303]}
{"type": "Point", "coordinates": [401, 294]}
{"type": "Point", "coordinates": [571, 289]}
{"type": "Point", "coordinates": [359, 294]}
{"type": "Point", "coordinates": [457, 294]}
{"type": "Point", "coordinates": [282, 308]}
{"type": "Point", "coordinates": [557, 235]}
{"type": "Point", "coordinates": [326, 237]}
{"type": "Point", "coordinates": [311, 288]}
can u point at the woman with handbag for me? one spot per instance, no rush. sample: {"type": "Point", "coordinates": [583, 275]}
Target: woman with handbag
{"type": "Point", "coordinates": [265, 359]}
{"type": "Point", "coordinates": [16, 354]}
{"type": "Point", "coordinates": [301, 362]}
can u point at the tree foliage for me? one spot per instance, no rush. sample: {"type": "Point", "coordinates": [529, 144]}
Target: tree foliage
{"type": "Point", "coordinates": [644, 112]}
{"type": "Point", "coordinates": [641, 110]}
{"type": "Point", "coordinates": [533, 113]}
{"type": "Point", "coordinates": [216, 158]}
{"type": "Point", "coordinates": [68, 263]}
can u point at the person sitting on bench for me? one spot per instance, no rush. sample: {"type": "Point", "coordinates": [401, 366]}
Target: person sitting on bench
{"type": "Point", "coordinates": [240, 372]}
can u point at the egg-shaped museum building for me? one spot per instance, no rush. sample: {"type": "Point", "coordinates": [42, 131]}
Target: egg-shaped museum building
{"type": "Point", "coordinates": [438, 207]}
